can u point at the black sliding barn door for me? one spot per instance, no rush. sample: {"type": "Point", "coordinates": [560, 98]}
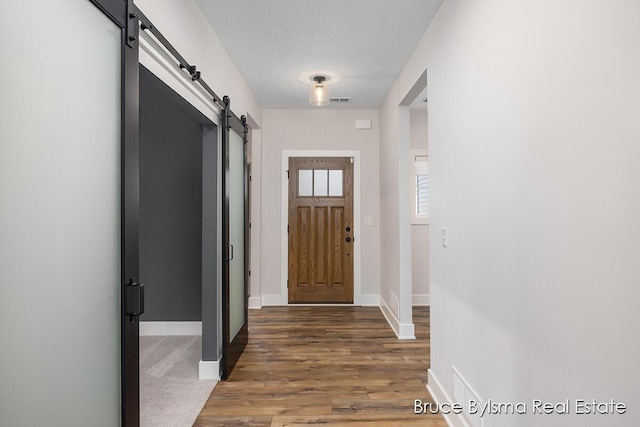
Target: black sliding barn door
{"type": "Point", "coordinates": [68, 213]}
{"type": "Point", "coordinates": [123, 14]}
{"type": "Point", "coordinates": [235, 234]}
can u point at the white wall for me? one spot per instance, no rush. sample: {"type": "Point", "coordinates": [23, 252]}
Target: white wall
{"type": "Point", "coordinates": [419, 232]}
{"type": "Point", "coordinates": [418, 130]}
{"type": "Point", "coordinates": [534, 144]}
{"type": "Point", "coordinates": [187, 29]}
{"type": "Point", "coordinates": [389, 183]}
{"type": "Point", "coordinates": [255, 206]}
{"type": "Point", "coordinates": [318, 130]}
{"type": "Point", "coordinates": [395, 211]}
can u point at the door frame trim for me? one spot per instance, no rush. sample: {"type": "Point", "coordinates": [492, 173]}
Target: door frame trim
{"type": "Point", "coordinates": [284, 219]}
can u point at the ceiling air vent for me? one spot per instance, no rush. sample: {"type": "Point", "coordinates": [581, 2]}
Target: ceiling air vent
{"type": "Point", "coordinates": [340, 99]}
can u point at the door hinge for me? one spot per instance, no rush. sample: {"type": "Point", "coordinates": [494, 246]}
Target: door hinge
{"type": "Point", "coordinates": [287, 283]}
{"type": "Point", "coordinates": [249, 272]}
{"type": "Point", "coordinates": [287, 228]}
{"type": "Point", "coordinates": [287, 173]}
{"type": "Point", "coordinates": [249, 225]}
{"type": "Point", "coordinates": [352, 160]}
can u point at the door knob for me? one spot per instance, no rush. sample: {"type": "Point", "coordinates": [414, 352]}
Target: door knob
{"type": "Point", "coordinates": [348, 239]}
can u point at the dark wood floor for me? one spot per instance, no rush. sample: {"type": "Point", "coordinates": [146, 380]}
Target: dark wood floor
{"type": "Point", "coordinates": [325, 365]}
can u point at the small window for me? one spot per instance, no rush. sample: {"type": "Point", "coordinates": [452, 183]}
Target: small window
{"type": "Point", "coordinates": [420, 187]}
{"type": "Point", "coordinates": [305, 182]}
{"type": "Point", "coordinates": [320, 183]}
{"type": "Point", "coordinates": [335, 183]}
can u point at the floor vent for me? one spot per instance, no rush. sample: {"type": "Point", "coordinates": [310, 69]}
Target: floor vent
{"type": "Point", "coordinates": [395, 304]}
{"type": "Point", "coordinates": [340, 99]}
{"type": "Point", "coordinates": [464, 394]}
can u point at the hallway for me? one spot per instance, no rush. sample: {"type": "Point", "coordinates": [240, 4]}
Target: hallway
{"type": "Point", "coordinates": [325, 365]}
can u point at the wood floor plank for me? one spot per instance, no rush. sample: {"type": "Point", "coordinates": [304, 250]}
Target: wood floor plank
{"type": "Point", "coordinates": [356, 406]}
{"type": "Point", "coordinates": [224, 421]}
{"type": "Point", "coordinates": [325, 366]}
{"type": "Point", "coordinates": [359, 420]}
{"type": "Point", "coordinates": [268, 407]}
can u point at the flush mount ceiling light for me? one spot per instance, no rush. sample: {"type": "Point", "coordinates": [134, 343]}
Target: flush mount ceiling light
{"type": "Point", "coordinates": [319, 96]}
{"type": "Point", "coordinates": [319, 92]}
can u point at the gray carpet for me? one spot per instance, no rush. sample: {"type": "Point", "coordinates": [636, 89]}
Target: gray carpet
{"type": "Point", "coordinates": [171, 395]}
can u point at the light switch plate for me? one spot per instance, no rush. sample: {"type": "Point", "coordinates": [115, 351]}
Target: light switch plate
{"type": "Point", "coordinates": [368, 220]}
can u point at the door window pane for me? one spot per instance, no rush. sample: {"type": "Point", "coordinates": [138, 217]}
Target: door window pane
{"type": "Point", "coordinates": [60, 215]}
{"type": "Point", "coordinates": [236, 234]}
{"type": "Point", "coordinates": [305, 182]}
{"type": "Point", "coordinates": [335, 183]}
{"type": "Point", "coordinates": [320, 182]}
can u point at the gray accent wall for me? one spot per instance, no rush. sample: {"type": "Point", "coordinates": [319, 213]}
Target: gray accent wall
{"type": "Point", "coordinates": [210, 313]}
{"type": "Point", "coordinates": [172, 135]}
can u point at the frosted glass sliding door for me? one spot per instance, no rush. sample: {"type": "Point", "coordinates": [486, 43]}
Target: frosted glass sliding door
{"type": "Point", "coordinates": [235, 214]}
{"type": "Point", "coordinates": [237, 294]}
{"type": "Point", "coordinates": [60, 248]}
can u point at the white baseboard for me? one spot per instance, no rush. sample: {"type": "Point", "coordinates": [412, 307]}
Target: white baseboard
{"type": "Point", "coordinates": [271, 300]}
{"type": "Point", "coordinates": [421, 299]}
{"type": "Point", "coordinates": [440, 396]}
{"type": "Point", "coordinates": [404, 331]}
{"type": "Point", "coordinates": [391, 319]}
{"type": "Point", "coordinates": [255, 303]}
{"type": "Point", "coordinates": [407, 331]}
{"type": "Point", "coordinates": [209, 370]}
{"type": "Point", "coordinates": [170, 328]}
{"type": "Point", "coordinates": [370, 300]}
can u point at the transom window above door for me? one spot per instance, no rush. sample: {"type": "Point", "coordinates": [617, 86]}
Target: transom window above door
{"type": "Point", "coordinates": [320, 183]}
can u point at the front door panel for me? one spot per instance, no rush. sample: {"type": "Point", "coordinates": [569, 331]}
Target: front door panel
{"type": "Point", "coordinates": [320, 230]}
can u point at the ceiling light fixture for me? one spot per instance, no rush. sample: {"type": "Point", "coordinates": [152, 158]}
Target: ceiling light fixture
{"type": "Point", "coordinates": [319, 92]}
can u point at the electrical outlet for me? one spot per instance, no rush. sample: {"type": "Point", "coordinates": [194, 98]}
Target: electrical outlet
{"type": "Point", "coordinates": [444, 237]}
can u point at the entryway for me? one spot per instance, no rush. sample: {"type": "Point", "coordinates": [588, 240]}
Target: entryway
{"type": "Point", "coordinates": [178, 249]}
{"type": "Point", "coordinates": [320, 244]}
{"type": "Point", "coordinates": [320, 230]}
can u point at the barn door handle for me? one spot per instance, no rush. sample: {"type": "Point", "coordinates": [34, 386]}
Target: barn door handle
{"type": "Point", "coordinates": [134, 299]}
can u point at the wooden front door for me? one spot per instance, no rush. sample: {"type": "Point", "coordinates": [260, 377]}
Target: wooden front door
{"type": "Point", "coordinates": [320, 230]}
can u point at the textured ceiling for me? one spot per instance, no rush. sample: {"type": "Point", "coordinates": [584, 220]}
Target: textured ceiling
{"type": "Point", "coordinates": [365, 42]}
